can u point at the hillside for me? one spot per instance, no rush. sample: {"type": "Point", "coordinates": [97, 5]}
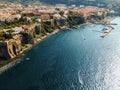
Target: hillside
{"type": "Point", "coordinates": [10, 0]}
{"type": "Point", "coordinates": [20, 1]}
{"type": "Point", "coordinates": [69, 2]}
{"type": "Point", "coordinates": [53, 1]}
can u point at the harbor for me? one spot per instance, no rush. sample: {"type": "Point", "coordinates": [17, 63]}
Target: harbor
{"type": "Point", "coordinates": [106, 32]}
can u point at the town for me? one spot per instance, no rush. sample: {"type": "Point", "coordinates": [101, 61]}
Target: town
{"type": "Point", "coordinates": [21, 26]}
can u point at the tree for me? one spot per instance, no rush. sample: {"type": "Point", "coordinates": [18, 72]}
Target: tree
{"type": "Point", "coordinates": [2, 36]}
{"type": "Point", "coordinates": [75, 19]}
{"type": "Point", "coordinates": [61, 13]}
{"type": "Point", "coordinates": [37, 29]}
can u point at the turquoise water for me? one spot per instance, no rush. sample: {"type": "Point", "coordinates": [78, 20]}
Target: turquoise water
{"type": "Point", "coordinates": [69, 60]}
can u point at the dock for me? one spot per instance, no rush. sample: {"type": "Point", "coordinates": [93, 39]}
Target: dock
{"type": "Point", "coordinates": [113, 24]}
{"type": "Point", "coordinates": [107, 32]}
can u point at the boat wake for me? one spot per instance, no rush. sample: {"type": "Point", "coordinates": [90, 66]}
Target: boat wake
{"type": "Point", "coordinates": [80, 78]}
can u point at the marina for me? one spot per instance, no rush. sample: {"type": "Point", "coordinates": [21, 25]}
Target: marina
{"type": "Point", "coordinates": [106, 32]}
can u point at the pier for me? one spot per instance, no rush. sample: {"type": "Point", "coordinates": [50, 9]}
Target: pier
{"type": "Point", "coordinates": [107, 32]}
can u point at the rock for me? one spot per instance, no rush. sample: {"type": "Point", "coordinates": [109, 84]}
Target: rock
{"type": "Point", "coordinates": [4, 55]}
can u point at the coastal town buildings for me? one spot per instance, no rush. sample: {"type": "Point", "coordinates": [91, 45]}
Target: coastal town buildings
{"type": "Point", "coordinates": [61, 6]}
{"type": "Point", "coordinates": [25, 25]}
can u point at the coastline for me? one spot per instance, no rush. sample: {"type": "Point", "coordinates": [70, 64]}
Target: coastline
{"type": "Point", "coordinates": [17, 58]}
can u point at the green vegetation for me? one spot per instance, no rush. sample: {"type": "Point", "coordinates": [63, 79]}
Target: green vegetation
{"type": "Point", "coordinates": [2, 36]}
{"type": "Point", "coordinates": [13, 23]}
{"type": "Point", "coordinates": [15, 44]}
{"type": "Point", "coordinates": [45, 28]}
{"type": "Point", "coordinates": [5, 35]}
{"type": "Point", "coordinates": [48, 28]}
{"type": "Point", "coordinates": [37, 30]}
{"type": "Point", "coordinates": [61, 13]}
{"type": "Point", "coordinates": [39, 35]}
{"type": "Point", "coordinates": [75, 19]}
{"type": "Point", "coordinates": [24, 46]}
{"type": "Point", "coordinates": [30, 35]}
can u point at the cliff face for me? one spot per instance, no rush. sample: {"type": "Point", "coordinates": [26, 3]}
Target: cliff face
{"type": "Point", "coordinates": [14, 48]}
{"type": "Point", "coordinates": [27, 38]}
{"type": "Point", "coordinates": [4, 55]}
{"type": "Point", "coordinates": [10, 48]}
{"type": "Point", "coordinates": [18, 43]}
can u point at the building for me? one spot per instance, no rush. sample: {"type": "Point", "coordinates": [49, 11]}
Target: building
{"type": "Point", "coordinates": [45, 17]}
{"type": "Point", "coordinates": [61, 6]}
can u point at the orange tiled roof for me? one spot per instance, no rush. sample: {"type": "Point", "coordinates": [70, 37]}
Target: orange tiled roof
{"type": "Point", "coordinates": [86, 11]}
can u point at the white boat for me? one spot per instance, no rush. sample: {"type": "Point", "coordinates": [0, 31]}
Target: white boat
{"type": "Point", "coordinates": [27, 59]}
{"type": "Point", "coordinates": [114, 24]}
{"type": "Point", "coordinates": [74, 27]}
{"type": "Point", "coordinates": [69, 29]}
{"type": "Point", "coordinates": [18, 62]}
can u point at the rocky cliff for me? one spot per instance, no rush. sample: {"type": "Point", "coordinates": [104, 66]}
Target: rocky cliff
{"type": "Point", "coordinates": [4, 55]}
{"type": "Point", "coordinates": [10, 48]}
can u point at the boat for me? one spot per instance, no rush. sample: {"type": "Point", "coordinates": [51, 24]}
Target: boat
{"type": "Point", "coordinates": [69, 29]}
{"type": "Point", "coordinates": [97, 31]}
{"type": "Point", "coordinates": [104, 29]}
{"type": "Point", "coordinates": [83, 37]}
{"type": "Point", "coordinates": [23, 54]}
{"type": "Point", "coordinates": [27, 59]}
{"type": "Point", "coordinates": [106, 32]}
{"type": "Point", "coordinates": [18, 62]}
{"type": "Point", "coordinates": [74, 27]}
{"type": "Point", "coordinates": [114, 24]}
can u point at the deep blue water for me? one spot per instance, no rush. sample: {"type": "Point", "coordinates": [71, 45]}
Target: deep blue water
{"type": "Point", "coordinates": [69, 60]}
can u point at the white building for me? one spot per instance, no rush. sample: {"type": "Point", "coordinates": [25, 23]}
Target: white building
{"type": "Point", "coordinates": [17, 29]}
{"type": "Point", "coordinates": [61, 6]}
